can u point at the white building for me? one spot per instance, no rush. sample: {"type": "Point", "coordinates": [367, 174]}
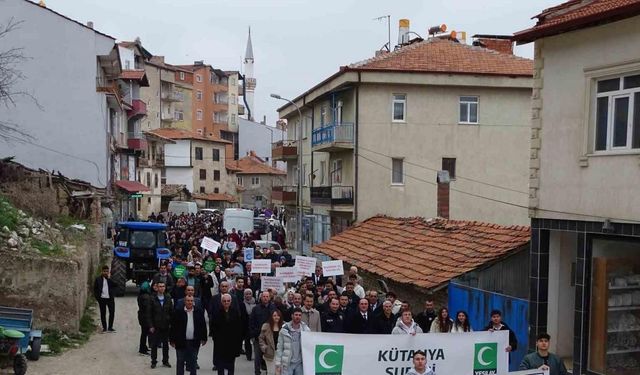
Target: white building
{"type": "Point", "coordinates": [258, 137]}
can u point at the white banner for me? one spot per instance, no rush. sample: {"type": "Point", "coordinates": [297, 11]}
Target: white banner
{"type": "Point", "coordinates": [332, 268]}
{"type": "Point", "coordinates": [475, 353]}
{"type": "Point", "coordinates": [305, 265]}
{"type": "Point", "coordinates": [261, 266]}
{"type": "Point", "coordinates": [271, 282]}
{"type": "Point", "coordinates": [210, 244]}
{"type": "Point", "coordinates": [288, 274]}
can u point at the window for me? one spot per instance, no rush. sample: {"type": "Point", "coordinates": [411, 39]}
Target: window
{"type": "Point", "coordinates": [198, 78]}
{"type": "Point", "coordinates": [216, 154]}
{"type": "Point", "coordinates": [216, 190]}
{"type": "Point", "coordinates": [199, 115]}
{"type": "Point", "coordinates": [182, 76]}
{"type": "Point", "coordinates": [127, 64]}
{"type": "Point", "coordinates": [449, 164]}
{"type": "Point", "coordinates": [198, 153]}
{"type": "Point", "coordinates": [323, 168]}
{"type": "Point", "coordinates": [397, 172]}
{"type": "Point", "coordinates": [399, 108]}
{"type": "Point", "coordinates": [233, 119]}
{"type": "Point", "coordinates": [240, 182]}
{"type": "Point", "coordinates": [323, 115]}
{"type": "Point", "coordinates": [148, 179]}
{"type": "Point", "coordinates": [295, 176]}
{"type": "Point", "coordinates": [203, 174]}
{"type": "Point", "coordinates": [199, 95]}
{"type": "Point", "coordinates": [216, 175]}
{"type": "Point", "coordinates": [336, 172]}
{"type": "Point", "coordinates": [155, 180]}
{"type": "Point", "coordinates": [255, 181]}
{"type": "Point", "coordinates": [468, 110]}
{"type": "Point", "coordinates": [202, 189]}
{"type": "Point", "coordinates": [617, 113]}
{"type": "Point", "coordinates": [179, 115]}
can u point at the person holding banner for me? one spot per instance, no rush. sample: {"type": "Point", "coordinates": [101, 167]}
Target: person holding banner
{"type": "Point", "coordinates": [288, 358]}
{"type": "Point", "coordinates": [461, 324]}
{"type": "Point", "coordinates": [406, 325]}
{"type": "Point", "coordinates": [542, 359]}
{"type": "Point", "coordinates": [496, 324]}
{"type": "Point", "coordinates": [442, 324]}
{"type": "Point", "coordinates": [420, 364]}
{"type": "Point", "coordinates": [360, 320]}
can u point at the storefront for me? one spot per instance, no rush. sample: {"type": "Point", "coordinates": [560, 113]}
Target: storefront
{"type": "Point", "coordinates": [585, 291]}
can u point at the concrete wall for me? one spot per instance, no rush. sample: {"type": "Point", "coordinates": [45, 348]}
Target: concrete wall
{"type": "Point", "coordinates": [561, 303]}
{"type": "Point", "coordinates": [61, 63]}
{"type": "Point", "coordinates": [178, 154]}
{"type": "Point", "coordinates": [247, 197]}
{"type": "Point", "coordinates": [494, 152]}
{"type": "Point", "coordinates": [127, 56]}
{"type": "Point", "coordinates": [55, 288]}
{"type": "Point", "coordinates": [180, 176]}
{"type": "Point", "coordinates": [151, 96]}
{"type": "Point", "coordinates": [257, 137]}
{"type": "Point", "coordinates": [571, 177]}
{"type": "Point", "coordinates": [210, 166]}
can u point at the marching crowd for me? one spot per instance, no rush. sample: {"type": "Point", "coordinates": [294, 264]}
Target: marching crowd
{"type": "Point", "coordinates": [218, 298]}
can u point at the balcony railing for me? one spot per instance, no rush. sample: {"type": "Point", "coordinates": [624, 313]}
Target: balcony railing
{"type": "Point", "coordinates": [172, 96]}
{"type": "Point", "coordinates": [333, 195]}
{"type": "Point", "coordinates": [282, 150]}
{"type": "Point", "coordinates": [136, 141]}
{"type": "Point", "coordinates": [284, 194]}
{"type": "Point", "coordinates": [339, 133]}
{"type": "Point", "coordinates": [139, 109]}
{"type": "Point", "coordinates": [167, 117]}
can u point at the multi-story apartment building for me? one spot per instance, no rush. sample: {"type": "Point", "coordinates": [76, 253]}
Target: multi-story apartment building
{"type": "Point", "coordinates": [584, 201]}
{"type": "Point", "coordinates": [183, 109]}
{"type": "Point", "coordinates": [377, 135]}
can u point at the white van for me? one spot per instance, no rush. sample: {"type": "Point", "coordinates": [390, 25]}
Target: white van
{"type": "Point", "coordinates": [183, 207]}
{"type": "Point", "coordinates": [238, 218]}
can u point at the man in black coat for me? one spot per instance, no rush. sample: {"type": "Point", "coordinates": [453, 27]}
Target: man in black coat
{"type": "Point", "coordinates": [426, 317]}
{"type": "Point", "coordinates": [496, 324]}
{"type": "Point", "coordinates": [260, 314]}
{"type": "Point", "coordinates": [159, 321]}
{"type": "Point", "coordinates": [228, 334]}
{"type": "Point", "coordinates": [332, 320]}
{"type": "Point", "coordinates": [188, 331]}
{"type": "Point", "coordinates": [103, 289]}
{"type": "Point", "coordinates": [360, 320]}
{"type": "Point", "coordinates": [384, 322]}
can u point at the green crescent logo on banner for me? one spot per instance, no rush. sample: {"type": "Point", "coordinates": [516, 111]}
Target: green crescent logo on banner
{"type": "Point", "coordinates": [329, 359]}
{"type": "Point", "coordinates": [486, 359]}
{"type": "Point", "coordinates": [209, 265]}
{"type": "Point", "coordinates": [179, 271]}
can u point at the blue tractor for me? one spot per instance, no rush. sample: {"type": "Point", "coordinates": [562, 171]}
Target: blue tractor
{"type": "Point", "coordinates": [139, 247]}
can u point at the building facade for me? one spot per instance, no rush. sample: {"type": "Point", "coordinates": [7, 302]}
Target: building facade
{"type": "Point", "coordinates": [377, 133]}
{"type": "Point", "coordinates": [584, 208]}
{"type": "Point", "coordinates": [259, 138]}
{"type": "Point", "coordinates": [256, 179]}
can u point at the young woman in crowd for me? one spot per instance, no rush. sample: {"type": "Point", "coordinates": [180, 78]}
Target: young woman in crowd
{"type": "Point", "coordinates": [442, 324]}
{"type": "Point", "coordinates": [461, 324]}
{"type": "Point", "coordinates": [269, 339]}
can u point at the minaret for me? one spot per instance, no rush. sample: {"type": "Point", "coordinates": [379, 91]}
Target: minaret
{"type": "Point", "coordinates": [249, 80]}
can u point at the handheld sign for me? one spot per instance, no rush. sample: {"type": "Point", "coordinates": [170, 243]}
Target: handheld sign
{"type": "Point", "coordinates": [288, 274]}
{"type": "Point", "coordinates": [271, 282]}
{"type": "Point", "coordinates": [261, 266]}
{"type": "Point", "coordinates": [332, 268]}
{"type": "Point", "coordinates": [179, 271]}
{"type": "Point", "coordinates": [210, 244]}
{"type": "Point", "coordinates": [305, 265]}
{"type": "Point", "coordinates": [209, 265]}
{"type": "Point", "coordinates": [230, 246]}
{"type": "Point", "coordinates": [248, 254]}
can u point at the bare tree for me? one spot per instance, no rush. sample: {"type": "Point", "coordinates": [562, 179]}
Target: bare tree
{"type": "Point", "coordinates": [10, 75]}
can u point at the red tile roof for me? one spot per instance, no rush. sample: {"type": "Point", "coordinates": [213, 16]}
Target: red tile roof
{"type": "Point", "coordinates": [577, 14]}
{"type": "Point", "coordinates": [135, 75]}
{"type": "Point", "coordinates": [445, 56]}
{"type": "Point", "coordinates": [131, 186]}
{"type": "Point", "coordinates": [174, 133]}
{"type": "Point", "coordinates": [216, 197]}
{"type": "Point", "coordinates": [426, 253]}
{"type": "Point", "coordinates": [252, 165]}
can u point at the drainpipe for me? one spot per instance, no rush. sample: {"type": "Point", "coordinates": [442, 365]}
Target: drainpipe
{"type": "Point", "coordinates": [355, 151]}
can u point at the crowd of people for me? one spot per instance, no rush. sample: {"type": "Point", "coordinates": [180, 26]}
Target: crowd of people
{"type": "Point", "coordinates": [226, 303]}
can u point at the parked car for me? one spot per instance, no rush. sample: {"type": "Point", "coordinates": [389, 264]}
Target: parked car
{"type": "Point", "coordinates": [261, 225]}
{"type": "Point", "coordinates": [210, 211]}
{"type": "Point", "coordinates": [182, 207]}
{"type": "Point", "coordinates": [267, 244]}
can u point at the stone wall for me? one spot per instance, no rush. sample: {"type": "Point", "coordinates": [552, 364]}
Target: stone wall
{"type": "Point", "coordinates": [56, 288]}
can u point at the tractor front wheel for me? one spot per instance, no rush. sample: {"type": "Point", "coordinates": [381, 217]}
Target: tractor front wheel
{"type": "Point", "coordinates": [20, 364]}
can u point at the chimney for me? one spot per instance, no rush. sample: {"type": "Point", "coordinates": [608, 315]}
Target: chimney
{"type": "Point", "coordinates": [90, 24]}
{"type": "Point", "coordinates": [198, 62]}
{"type": "Point", "coordinates": [498, 43]}
{"type": "Point", "coordinates": [443, 194]}
{"type": "Point", "coordinates": [403, 31]}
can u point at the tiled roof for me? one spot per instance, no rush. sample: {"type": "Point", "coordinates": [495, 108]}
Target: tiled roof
{"type": "Point", "coordinates": [232, 166]}
{"type": "Point", "coordinates": [174, 133]}
{"type": "Point", "coordinates": [577, 14]}
{"type": "Point", "coordinates": [445, 56]}
{"type": "Point", "coordinates": [426, 253]}
{"type": "Point", "coordinates": [251, 165]}
{"type": "Point", "coordinates": [173, 189]}
{"type": "Point", "coordinates": [132, 74]}
{"type": "Point", "coordinates": [131, 186]}
{"type": "Point", "coordinates": [216, 197]}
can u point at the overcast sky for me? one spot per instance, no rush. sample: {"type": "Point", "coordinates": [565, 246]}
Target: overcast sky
{"type": "Point", "coordinates": [297, 43]}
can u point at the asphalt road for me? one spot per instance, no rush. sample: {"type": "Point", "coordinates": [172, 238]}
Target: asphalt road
{"type": "Point", "coordinates": [117, 353]}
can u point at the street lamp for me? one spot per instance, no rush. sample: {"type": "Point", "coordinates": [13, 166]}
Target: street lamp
{"type": "Point", "coordinates": [300, 176]}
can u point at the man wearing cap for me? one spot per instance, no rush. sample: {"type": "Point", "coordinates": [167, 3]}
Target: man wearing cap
{"type": "Point", "coordinates": [542, 359]}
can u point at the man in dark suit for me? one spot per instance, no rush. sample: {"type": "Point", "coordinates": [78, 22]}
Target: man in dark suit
{"type": "Point", "coordinates": [360, 320]}
{"type": "Point", "coordinates": [188, 331]}
{"type": "Point", "coordinates": [103, 289]}
{"type": "Point", "coordinates": [159, 320]}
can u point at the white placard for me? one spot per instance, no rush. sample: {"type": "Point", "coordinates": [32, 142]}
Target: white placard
{"type": "Point", "coordinates": [305, 265]}
{"type": "Point", "coordinates": [332, 268]}
{"type": "Point", "coordinates": [288, 274]}
{"type": "Point", "coordinates": [271, 282]}
{"type": "Point", "coordinates": [210, 244]}
{"type": "Point", "coordinates": [452, 354]}
{"type": "Point", "coordinates": [261, 266]}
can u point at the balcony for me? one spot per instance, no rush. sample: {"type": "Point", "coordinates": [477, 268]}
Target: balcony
{"type": "Point", "coordinates": [284, 195]}
{"type": "Point", "coordinates": [284, 150]}
{"type": "Point", "coordinates": [138, 110]}
{"type": "Point", "coordinates": [332, 195]}
{"type": "Point", "coordinates": [136, 141]}
{"type": "Point", "coordinates": [332, 138]}
{"type": "Point", "coordinates": [172, 96]}
{"type": "Point", "coordinates": [169, 117]}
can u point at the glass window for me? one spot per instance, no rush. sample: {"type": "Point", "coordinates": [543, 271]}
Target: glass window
{"type": "Point", "coordinates": [199, 115]}
{"type": "Point", "coordinates": [240, 181]}
{"type": "Point", "coordinates": [255, 181]}
{"type": "Point", "coordinates": [323, 116]}
{"type": "Point", "coordinates": [449, 164]}
{"type": "Point", "coordinates": [198, 78]}
{"type": "Point", "coordinates": [631, 82]}
{"type": "Point", "coordinates": [468, 110]}
{"type": "Point", "coordinates": [142, 239]}
{"type": "Point", "coordinates": [199, 95]}
{"type": "Point", "coordinates": [216, 154]}
{"type": "Point", "coordinates": [203, 174]}
{"type": "Point", "coordinates": [609, 85]}
{"type": "Point", "coordinates": [397, 173]}
{"type": "Point", "coordinates": [602, 117]}
{"type": "Point", "coordinates": [616, 116]}
{"type": "Point", "coordinates": [198, 153]}
{"type": "Point", "coordinates": [216, 175]}
{"type": "Point", "coordinates": [336, 172]}
{"type": "Point", "coordinates": [620, 121]}
{"type": "Point", "coordinates": [399, 108]}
